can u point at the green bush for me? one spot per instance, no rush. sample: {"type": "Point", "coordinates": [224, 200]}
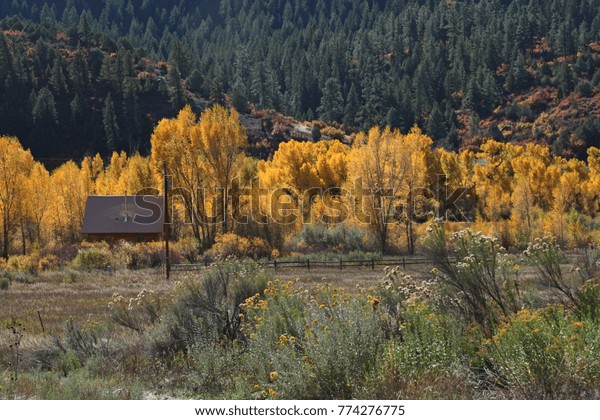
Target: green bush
{"type": "Point", "coordinates": [340, 238]}
{"type": "Point", "coordinates": [6, 277]}
{"type": "Point", "coordinates": [86, 342]}
{"type": "Point", "coordinates": [480, 280]}
{"type": "Point", "coordinates": [92, 258]}
{"type": "Point", "coordinates": [427, 344]}
{"type": "Point", "coordinates": [207, 310]}
{"type": "Point", "coordinates": [307, 347]}
{"type": "Point", "coordinates": [546, 354]}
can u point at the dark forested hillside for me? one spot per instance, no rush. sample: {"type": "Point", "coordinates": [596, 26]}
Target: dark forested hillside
{"type": "Point", "coordinates": [80, 76]}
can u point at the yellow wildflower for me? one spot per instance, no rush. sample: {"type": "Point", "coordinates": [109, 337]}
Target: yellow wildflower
{"type": "Point", "coordinates": [273, 376]}
{"type": "Point", "coordinates": [272, 393]}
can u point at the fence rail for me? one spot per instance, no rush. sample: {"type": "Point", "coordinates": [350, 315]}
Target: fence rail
{"type": "Point", "coordinates": [313, 264]}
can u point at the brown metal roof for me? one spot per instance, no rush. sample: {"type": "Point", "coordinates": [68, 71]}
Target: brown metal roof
{"type": "Point", "coordinates": [124, 214]}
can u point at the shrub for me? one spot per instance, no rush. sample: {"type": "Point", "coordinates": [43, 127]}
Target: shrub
{"type": "Point", "coordinates": [67, 362]}
{"type": "Point", "coordinates": [135, 313]}
{"type": "Point", "coordinates": [92, 258]}
{"type": "Point", "coordinates": [48, 263]}
{"type": "Point", "coordinates": [232, 245]}
{"type": "Point", "coordinates": [428, 347]}
{"type": "Point", "coordinates": [546, 354]}
{"type": "Point", "coordinates": [86, 342]}
{"type": "Point", "coordinates": [6, 277]}
{"type": "Point", "coordinates": [189, 249]}
{"type": "Point", "coordinates": [482, 283]}
{"type": "Point", "coordinates": [64, 252]}
{"type": "Point", "coordinates": [26, 264]}
{"type": "Point", "coordinates": [339, 238]}
{"type": "Point", "coordinates": [547, 258]}
{"type": "Point", "coordinates": [141, 255]}
{"type": "Point", "coordinates": [307, 347]}
{"type": "Point", "coordinates": [207, 310]}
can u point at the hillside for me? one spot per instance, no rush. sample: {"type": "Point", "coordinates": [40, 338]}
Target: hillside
{"type": "Point", "coordinates": [80, 77]}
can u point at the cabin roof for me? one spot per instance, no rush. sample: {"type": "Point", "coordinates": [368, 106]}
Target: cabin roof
{"type": "Point", "coordinates": [124, 215]}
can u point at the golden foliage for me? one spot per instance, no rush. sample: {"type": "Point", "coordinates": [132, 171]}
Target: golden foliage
{"type": "Point", "coordinates": [387, 181]}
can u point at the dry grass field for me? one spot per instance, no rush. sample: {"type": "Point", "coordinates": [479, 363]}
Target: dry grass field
{"type": "Point", "coordinates": [84, 296]}
{"type": "Point", "coordinates": [81, 296]}
{"type": "Point", "coordinates": [236, 331]}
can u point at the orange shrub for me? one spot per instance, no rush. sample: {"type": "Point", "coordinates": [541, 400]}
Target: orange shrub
{"type": "Point", "coordinates": [48, 263]}
{"type": "Point", "coordinates": [234, 245]}
{"type": "Point", "coordinates": [145, 255]}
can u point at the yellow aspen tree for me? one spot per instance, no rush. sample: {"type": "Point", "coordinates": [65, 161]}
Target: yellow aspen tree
{"type": "Point", "coordinates": [172, 147]}
{"type": "Point", "coordinates": [306, 172]}
{"type": "Point", "coordinates": [293, 167]}
{"type": "Point", "coordinates": [107, 182]}
{"type": "Point", "coordinates": [493, 185]}
{"type": "Point", "coordinates": [591, 187]}
{"type": "Point", "coordinates": [531, 192]}
{"type": "Point", "coordinates": [456, 181]}
{"type": "Point", "coordinates": [15, 166]}
{"type": "Point", "coordinates": [203, 156]}
{"type": "Point", "coordinates": [38, 200]}
{"type": "Point", "coordinates": [87, 172]}
{"type": "Point", "coordinates": [386, 171]}
{"type": "Point", "coordinates": [566, 196]}
{"type": "Point", "coordinates": [221, 140]}
{"type": "Point", "coordinates": [138, 177]}
{"type": "Point", "coordinates": [418, 182]}
{"type": "Point", "coordinates": [68, 204]}
{"type": "Point", "coordinates": [332, 167]}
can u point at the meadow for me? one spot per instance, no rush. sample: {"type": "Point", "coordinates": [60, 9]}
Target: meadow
{"type": "Point", "coordinates": [482, 325]}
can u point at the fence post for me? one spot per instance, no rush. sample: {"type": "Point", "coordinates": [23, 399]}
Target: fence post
{"type": "Point", "coordinates": [308, 264]}
{"type": "Point", "coordinates": [372, 263]}
{"type": "Point", "coordinates": [275, 264]}
{"type": "Point", "coordinates": [341, 264]}
{"type": "Point", "coordinates": [404, 263]}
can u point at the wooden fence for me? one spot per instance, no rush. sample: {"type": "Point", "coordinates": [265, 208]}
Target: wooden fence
{"type": "Point", "coordinates": [341, 264]}
{"type": "Point", "coordinates": [314, 264]}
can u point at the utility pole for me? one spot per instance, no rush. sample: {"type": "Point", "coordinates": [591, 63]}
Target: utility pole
{"type": "Point", "coordinates": [166, 223]}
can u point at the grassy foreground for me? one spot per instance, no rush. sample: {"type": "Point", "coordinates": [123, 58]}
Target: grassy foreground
{"type": "Point", "coordinates": [477, 329]}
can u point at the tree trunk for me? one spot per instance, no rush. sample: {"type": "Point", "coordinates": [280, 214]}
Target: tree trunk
{"type": "Point", "coordinates": [5, 240]}
{"type": "Point", "coordinates": [23, 238]}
